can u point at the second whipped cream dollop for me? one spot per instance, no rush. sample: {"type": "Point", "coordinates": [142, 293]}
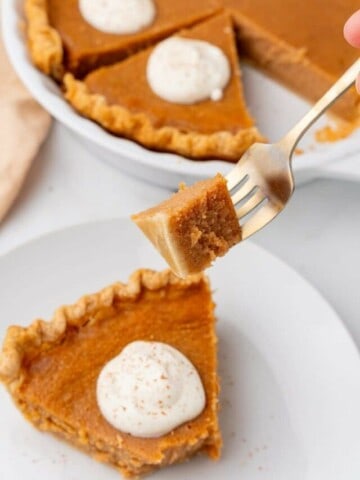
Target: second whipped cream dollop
{"type": "Point", "coordinates": [118, 16]}
{"type": "Point", "coordinates": [187, 71]}
{"type": "Point", "coordinates": [149, 389]}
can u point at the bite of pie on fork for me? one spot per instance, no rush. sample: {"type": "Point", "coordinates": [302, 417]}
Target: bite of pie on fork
{"type": "Point", "coordinates": [200, 223]}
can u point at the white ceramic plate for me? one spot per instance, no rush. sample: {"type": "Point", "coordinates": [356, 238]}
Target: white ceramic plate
{"type": "Point", "coordinates": [290, 372]}
{"type": "Point", "coordinates": [275, 108]}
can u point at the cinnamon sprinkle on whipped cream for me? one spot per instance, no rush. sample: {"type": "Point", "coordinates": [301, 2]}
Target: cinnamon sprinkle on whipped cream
{"type": "Point", "coordinates": [149, 389]}
{"type": "Point", "coordinates": [186, 71]}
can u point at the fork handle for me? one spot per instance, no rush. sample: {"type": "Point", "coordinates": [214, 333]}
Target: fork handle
{"type": "Point", "coordinates": [346, 81]}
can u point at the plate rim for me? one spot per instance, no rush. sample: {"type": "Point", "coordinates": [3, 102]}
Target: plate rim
{"type": "Point", "coordinates": [337, 326]}
{"type": "Point", "coordinates": [253, 245]}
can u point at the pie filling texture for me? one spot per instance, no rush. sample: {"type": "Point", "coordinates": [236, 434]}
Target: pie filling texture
{"type": "Point", "coordinates": [299, 43]}
{"type": "Point", "coordinates": [289, 40]}
{"type": "Point", "coordinates": [207, 129]}
{"type": "Point", "coordinates": [193, 227]}
{"type": "Point", "coordinates": [87, 48]}
{"type": "Point", "coordinates": [51, 368]}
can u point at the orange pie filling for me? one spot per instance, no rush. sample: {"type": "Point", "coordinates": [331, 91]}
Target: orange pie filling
{"type": "Point", "coordinates": [51, 369]}
{"type": "Point", "coordinates": [193, 227]}
{"type": "Point", "coordinates": [291, 42]}
{"type": "Point", "coordinates": [220, 128]}
{"type": "Point", "coordinates": [61, 38]}
{"type": "Point", "coordinates": [282, 38]}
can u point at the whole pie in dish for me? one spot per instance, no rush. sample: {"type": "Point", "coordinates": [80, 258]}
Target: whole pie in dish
{"type": "Point", "coordinates": [300, 44]}
{"type": "Point", "coordinates": [51, 368]}
{"type": "Point", "coordinates": [60, 39]}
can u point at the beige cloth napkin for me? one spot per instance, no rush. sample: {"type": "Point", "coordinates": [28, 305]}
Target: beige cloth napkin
{"type": "Point", "coordinates": [23, 127]}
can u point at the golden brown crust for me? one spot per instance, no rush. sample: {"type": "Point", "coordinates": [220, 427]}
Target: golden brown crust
{"type": "Point", "coordinates": [138, 127]}
{"type": "Point", "coordinates": [20, 340]}
{"type": "Point", "coordinates": [23, 345]}
{"type": "Point", "coordinates": [44, 42]}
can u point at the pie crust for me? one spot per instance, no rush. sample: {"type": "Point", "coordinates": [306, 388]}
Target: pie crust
{"type": "Point", "coordinates": [45, 44]}
{"type": "Point", "coordinates": [138, 127]}
{"type": "Point", "coordinates": [296, 50]}
{"type": "Point", "coordinates": [29, 354]}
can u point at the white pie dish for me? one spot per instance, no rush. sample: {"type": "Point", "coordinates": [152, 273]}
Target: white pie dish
{"type": "Point", "coordinates": [275, 108]}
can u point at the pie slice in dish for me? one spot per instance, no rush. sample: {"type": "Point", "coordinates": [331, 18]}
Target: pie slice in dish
{"type": "Point", "coordinates": [207, 129]}
{"type": "Point", "coordinates": [300, 43]}
{"type": "Point", "coordinates": [51, 369]}
{"type": "Point", "coordinates": [60, 38]}
{"type": "Point", "coordinates": [193, 227]}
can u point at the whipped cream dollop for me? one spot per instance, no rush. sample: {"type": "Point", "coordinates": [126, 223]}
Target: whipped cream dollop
{"type": "Point", "coordinates": [149, 389]}
{"type": "Point", "coordinates": [186, 71]}
{"type": "Point", "coordinates": [118, 16]}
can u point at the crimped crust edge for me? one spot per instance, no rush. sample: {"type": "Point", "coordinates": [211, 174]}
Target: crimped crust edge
{"type": "Point", "coordinates": [19, 340]}
{"type": "Point", "coordinates": [137, 126]}
{"type": "Point", "coordinates": [45, 45]}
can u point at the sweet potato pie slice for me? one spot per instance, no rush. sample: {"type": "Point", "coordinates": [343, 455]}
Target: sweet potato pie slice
{"type": "Point", "coordinates": [208, 129]}
{"type": "Point", "coordinates": [51, 369]}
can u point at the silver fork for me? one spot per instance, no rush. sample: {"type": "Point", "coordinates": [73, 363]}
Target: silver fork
{"type": "Point", "coordinates": [262, 182]}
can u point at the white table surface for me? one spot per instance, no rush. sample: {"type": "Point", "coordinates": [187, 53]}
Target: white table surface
{"type": "Point", "coordinates": [318, 234]}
